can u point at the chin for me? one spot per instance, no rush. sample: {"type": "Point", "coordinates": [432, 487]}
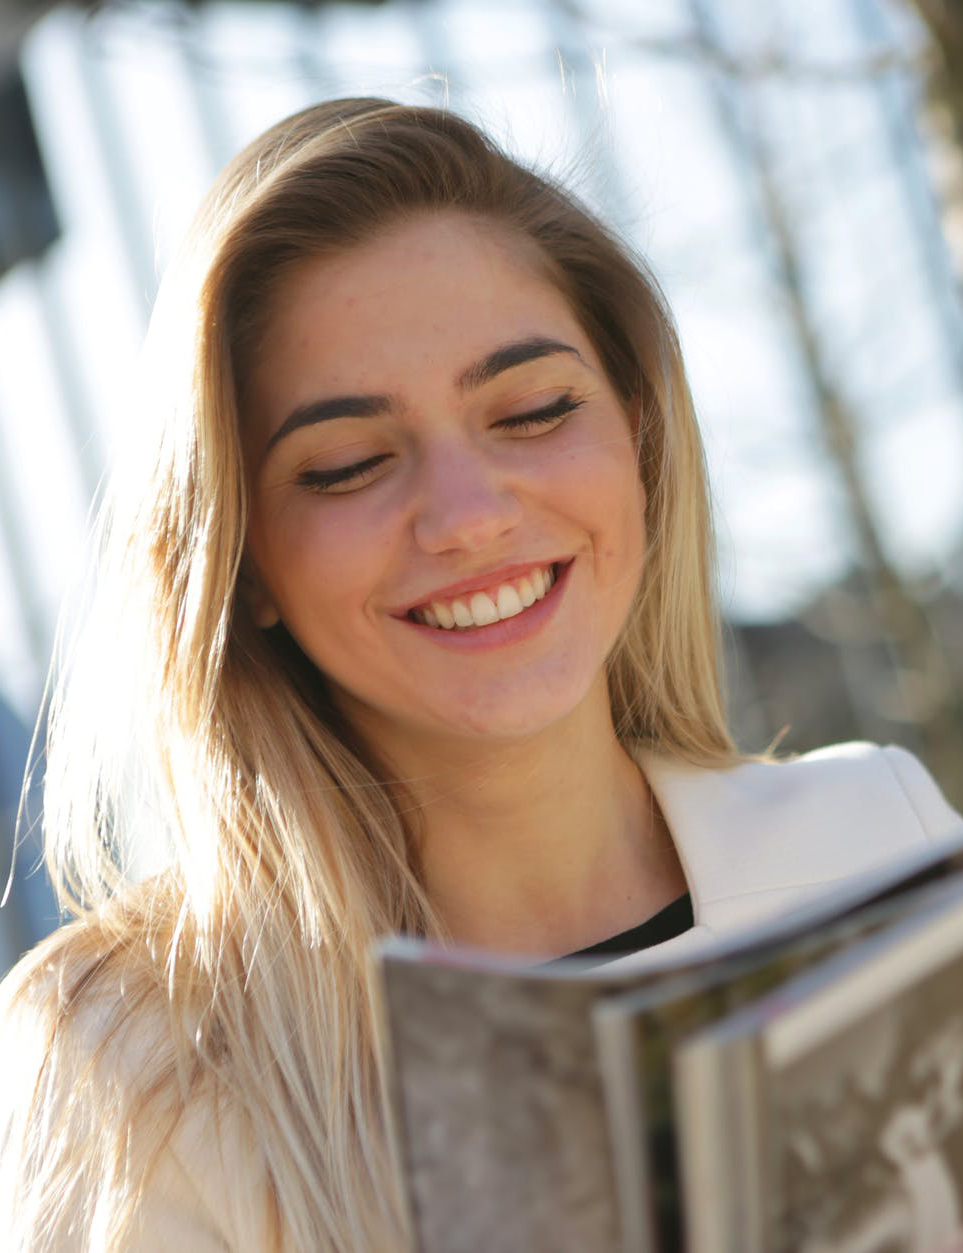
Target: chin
{"type": "Point", "coordinates": [518, 714]}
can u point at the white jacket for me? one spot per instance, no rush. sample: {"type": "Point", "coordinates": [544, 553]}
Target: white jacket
{"type": "Point", "coordinates": [767, 837]}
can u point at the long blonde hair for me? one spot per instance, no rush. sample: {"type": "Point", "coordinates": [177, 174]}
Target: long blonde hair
{"type": "Point", "coordinates": [282, 847]}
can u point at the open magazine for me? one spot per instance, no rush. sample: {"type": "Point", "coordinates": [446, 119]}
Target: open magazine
{"type": "Point", "coordinates": [686, 1105]}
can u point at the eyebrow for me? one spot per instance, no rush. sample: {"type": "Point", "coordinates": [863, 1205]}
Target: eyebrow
{"type": "Point", "coordinates": [374, 406]}
{"type": "Point", "coordinates": [327, 410]}
{"type": "Point", "coordinates": [510, 355]}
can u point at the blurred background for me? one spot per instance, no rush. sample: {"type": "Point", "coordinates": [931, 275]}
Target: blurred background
{"type": "Point", "coordinates": [793, 172]}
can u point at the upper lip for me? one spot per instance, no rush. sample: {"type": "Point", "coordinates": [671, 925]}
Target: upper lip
{"type": "Point", "coordinates": [477, 582]}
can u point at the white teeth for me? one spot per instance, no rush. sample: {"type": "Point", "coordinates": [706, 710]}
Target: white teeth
{"type": "Point", "coordinates": [462, 614]}
{"type": "Point", "coordinates": [509, 602]}
{"type": "Point", "coordinates": [444, 616]}
{"type": "Point", "coordinates": [483, 610]}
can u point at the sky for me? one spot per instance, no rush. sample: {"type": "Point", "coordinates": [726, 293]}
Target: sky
{"type": "Point", "coordinates": [137, 110]}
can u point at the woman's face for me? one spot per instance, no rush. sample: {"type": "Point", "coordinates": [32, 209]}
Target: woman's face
{"type": "Point", "coordinates": [431, 439]}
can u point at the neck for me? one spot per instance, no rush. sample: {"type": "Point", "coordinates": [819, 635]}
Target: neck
{"type": "Point", "coordinates": [539, 846]}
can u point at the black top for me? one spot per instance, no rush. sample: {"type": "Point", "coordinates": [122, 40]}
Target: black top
{"type": "Point", "coordinates": [664, 925]}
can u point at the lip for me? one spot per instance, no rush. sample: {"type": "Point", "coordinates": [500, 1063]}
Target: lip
{"type": "Point", "coordinates": [480, 583]}
{"type": "Point", "coordinates": [506, 632]}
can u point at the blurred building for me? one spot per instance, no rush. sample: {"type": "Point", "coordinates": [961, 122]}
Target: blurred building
{"type": "Point", "coordinates": [826, 676]}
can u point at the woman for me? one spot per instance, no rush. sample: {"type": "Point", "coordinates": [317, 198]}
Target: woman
{"type": "Point", "coordinates": [409, 575]}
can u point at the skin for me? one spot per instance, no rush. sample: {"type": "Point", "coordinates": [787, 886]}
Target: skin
{"type": "Point", "coordinates": [539, 833]}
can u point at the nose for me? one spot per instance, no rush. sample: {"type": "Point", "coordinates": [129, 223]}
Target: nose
{"type": "Point", "coordinates": [464, 502]}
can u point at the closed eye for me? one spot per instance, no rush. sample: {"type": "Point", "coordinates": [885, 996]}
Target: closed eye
{"type": "Point", "coordinates": [349, 478]}
{"type": "Point", "coordinates": [342, 479]}
{"type": "Point", "coordinates": [551, 414]}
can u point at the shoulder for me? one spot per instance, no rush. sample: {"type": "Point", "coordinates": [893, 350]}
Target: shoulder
{"type": "Point", "coordinates": [106, 1122]}
{"type": "Point", "coordinates": [887, 789]}
{"type": "Point", "coordinates": [778, 832]}
{"type": "Point", "coordinates": [82, 997]}
{"type": "Point", "coordinates": [54, 1008]}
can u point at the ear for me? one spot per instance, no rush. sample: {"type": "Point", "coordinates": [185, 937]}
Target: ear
{"type": "Point", "coordinates": [635, 414]}
{"type": "Point", "coordinates": [256, 597]}
{"type": "Point", "coordinates": [263, 612]}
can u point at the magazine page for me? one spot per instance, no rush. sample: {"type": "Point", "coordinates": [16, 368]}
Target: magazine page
{"type": "Point", "coordinates": [828, 1115]}
{"type": "Point", "coordinates": [499, 1110]}
{"type": "Point", "coordinates": [637, 1031]}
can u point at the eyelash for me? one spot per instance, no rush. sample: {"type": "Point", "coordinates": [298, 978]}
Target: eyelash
{"type": "Point", "coordinates": [560, 408]}
{"type": "Point", "coordinates": [324, 480]}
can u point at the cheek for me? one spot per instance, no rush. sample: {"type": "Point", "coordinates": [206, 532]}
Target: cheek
{"type": "Point", "coordinates": [318, 564]}
{"type": "Point", "coordinates": [612, 502]}
{"type": "Point", "coordinates": [626, 553]}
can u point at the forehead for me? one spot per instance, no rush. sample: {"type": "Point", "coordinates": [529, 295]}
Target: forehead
{"type": "Point", "coordinates": [433, 291]}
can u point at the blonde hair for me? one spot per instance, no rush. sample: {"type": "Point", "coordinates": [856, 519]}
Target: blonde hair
{"type": "Point", "coordinates": [283, 846]}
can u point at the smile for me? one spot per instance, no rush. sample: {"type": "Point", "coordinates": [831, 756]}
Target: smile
{"type": "Point", "coordinates": [487, 606]}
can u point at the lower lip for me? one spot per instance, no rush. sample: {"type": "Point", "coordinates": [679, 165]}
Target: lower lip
{"type": "Point", "coordinates": [499, 634]}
